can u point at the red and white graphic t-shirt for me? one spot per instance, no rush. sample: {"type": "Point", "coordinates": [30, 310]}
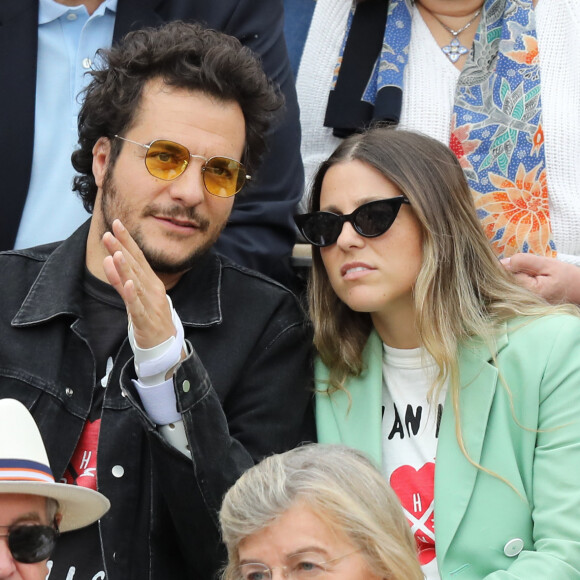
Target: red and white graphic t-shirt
{"type": "Point", "coordinates": [410, 429]}
{"type": "Point", "coordinates": [79, 555]}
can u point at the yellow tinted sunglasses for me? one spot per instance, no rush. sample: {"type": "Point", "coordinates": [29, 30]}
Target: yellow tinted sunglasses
{"type": "Point", "coordinates": [167, 160]}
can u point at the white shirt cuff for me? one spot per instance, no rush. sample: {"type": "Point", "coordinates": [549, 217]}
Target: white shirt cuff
{"type": "Point", "coordinates": [159, 401]}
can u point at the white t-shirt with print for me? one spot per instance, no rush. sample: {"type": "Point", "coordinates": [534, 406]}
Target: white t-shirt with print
{"type": "Point", "coordinates": [410, 428]}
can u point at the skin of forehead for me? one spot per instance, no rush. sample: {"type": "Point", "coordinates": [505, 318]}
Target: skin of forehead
{"type": "Point", "coordinates": [34, 508]}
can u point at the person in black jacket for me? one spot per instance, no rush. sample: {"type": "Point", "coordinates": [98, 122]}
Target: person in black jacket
{"type": "Point", "coordinates": [42, 72]}
{"type": "Point", "coordinates": [163, 409]}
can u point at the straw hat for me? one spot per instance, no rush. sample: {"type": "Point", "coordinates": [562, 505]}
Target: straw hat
{"type": "Point", "coordinates": [24, 468]}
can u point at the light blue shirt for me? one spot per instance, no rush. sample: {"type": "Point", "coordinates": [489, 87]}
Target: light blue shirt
{"type": "Point", "coordinates": [68, 39]}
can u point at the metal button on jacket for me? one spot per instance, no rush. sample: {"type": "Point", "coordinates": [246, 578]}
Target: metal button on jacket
{"type": "Point", "coordinates": [513, 547]}
{"type": "Point", "coordinates": [118, 471]}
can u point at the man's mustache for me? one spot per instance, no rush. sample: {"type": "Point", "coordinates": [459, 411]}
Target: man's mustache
{"type": "Point", "coordinates": [178, 213]}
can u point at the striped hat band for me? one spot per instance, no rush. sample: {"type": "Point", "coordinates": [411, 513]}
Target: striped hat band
{"type": "Point", "coordinates": [25, 470]}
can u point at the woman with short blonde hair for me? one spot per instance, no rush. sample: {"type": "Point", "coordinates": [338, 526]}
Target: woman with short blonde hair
{"type": "Point", "coordinates": [343, 489]}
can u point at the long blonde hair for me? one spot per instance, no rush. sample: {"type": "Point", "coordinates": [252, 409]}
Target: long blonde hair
{"type": "Point", "coordinates": [342, 488]}
{"type": "Point", "coordinates": [462, 290]}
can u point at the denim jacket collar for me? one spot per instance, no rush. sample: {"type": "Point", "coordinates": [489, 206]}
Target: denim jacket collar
{"type": "Point", "coordinates": [58, 289]}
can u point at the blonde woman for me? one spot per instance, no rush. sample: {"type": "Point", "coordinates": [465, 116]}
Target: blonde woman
{"type": "Point", "coordinates": [497, 80]}
{"type": "Point", "coordinates": [462, 385]}
{"type": "Point", "coordinates": [318, 511]}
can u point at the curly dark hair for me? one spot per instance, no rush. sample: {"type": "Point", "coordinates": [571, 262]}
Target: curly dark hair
{"type": "Point", "coordinates": [184, 56]}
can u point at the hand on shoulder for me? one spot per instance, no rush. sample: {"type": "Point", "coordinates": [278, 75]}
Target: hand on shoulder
{"type": "Point", "coordinates": [552, 279]}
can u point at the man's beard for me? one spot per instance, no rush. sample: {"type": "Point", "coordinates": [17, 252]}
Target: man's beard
{"type": "Point", "coordinates": [158, 261]}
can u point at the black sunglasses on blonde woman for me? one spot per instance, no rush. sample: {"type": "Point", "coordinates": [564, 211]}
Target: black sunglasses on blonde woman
{"type": "Point", "coordinates": [370, 220]}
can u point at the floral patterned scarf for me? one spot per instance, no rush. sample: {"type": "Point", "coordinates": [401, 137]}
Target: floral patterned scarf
{"type": "Point", "coordinates": [496, 128]}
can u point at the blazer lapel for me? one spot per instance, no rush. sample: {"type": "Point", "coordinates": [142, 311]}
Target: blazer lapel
{"type": "Point", "coordinates": [454, 475]}
{"type": "Point", "coordinates": [355, 422]}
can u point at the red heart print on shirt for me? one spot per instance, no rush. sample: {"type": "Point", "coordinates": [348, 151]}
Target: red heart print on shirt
{"type": "Point", "coordinates": [82, 469]}
{"type": "Point", "coordinates": [415, 490]}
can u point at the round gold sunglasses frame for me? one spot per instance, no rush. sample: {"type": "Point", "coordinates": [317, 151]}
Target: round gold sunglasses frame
{"type": "Point", "coordinates": [219, 191]}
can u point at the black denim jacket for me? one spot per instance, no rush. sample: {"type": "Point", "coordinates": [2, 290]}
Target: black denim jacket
{"type": "Point", "coordinates": [244, 392]}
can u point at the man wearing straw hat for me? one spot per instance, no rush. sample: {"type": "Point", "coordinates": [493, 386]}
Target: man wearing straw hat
{"type": "Point", "coordinates": [34, 509]}
{"type": "Point", "coordinates": [213, 371]}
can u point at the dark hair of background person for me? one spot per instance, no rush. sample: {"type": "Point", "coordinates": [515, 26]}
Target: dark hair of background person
{"type": "Point", "coordinates": [186, 56]}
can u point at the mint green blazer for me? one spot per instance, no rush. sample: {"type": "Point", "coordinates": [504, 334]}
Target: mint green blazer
{"type": "Point", "coordinates": [483, 528]}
